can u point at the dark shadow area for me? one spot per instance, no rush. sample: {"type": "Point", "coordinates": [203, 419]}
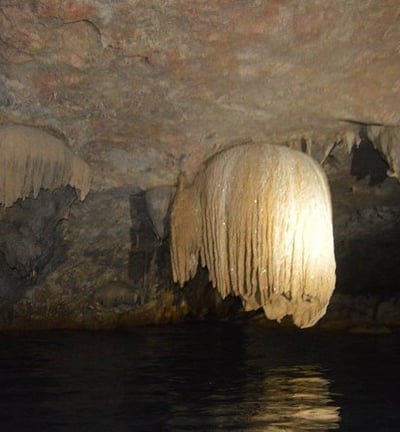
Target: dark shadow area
{"type": "Point", "coordinates": [367, 161]}
{"type": "Point", "coordinates": [370, 266]}
{"type": "Point", "coordinates": [149, 256]}
{"type": "Point", "coordinates": [30, 238]}
{"type": "Point", "coordinates": [205, 302]}
{"type": "Point", "coordinates": [367, 245]}
{"type": "Point", "coordinates": [143, 240]}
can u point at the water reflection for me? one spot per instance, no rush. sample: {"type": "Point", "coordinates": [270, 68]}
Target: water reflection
{"type": "Point", "coordinates": [202, 378]}
{"type": "Point", "coordinates": [296, 399]}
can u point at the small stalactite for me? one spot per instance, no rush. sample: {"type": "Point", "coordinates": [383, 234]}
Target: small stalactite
{"type": "Point", "coordinates": [31, 160]}
{"type": "Point", "coordinates": [386, 140]}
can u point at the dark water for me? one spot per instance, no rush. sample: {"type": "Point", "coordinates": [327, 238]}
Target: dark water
{"type": "Point", "coordinates": [199, 377]}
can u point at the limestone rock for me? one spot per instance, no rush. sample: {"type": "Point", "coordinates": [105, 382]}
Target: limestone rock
{"type": "Point", "coordinates": [158, 202]}
{"type": "Point", "coordinates": [31, 160]}
{"type": "Point", "coordinates": [161, 84]}
{"type": "Point", "coordinates": [387, 140]}
{"type": "Point", "coordinates": [115, 294]}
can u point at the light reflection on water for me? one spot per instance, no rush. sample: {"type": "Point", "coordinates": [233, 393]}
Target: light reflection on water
{"type": "Point", "coordinates": [296, 399]}
{"type": "Point", "coordinates": [203, 377]}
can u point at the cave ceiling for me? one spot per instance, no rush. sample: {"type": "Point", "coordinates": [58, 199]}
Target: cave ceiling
{"type": "Point", "coordinates": [143, 90]}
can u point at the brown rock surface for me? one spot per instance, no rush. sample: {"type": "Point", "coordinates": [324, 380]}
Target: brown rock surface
{"type": "Point", "coordinates": [143, 89]}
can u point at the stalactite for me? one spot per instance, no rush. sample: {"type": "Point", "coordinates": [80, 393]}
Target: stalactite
{"type": "Point", "coordinates": [386, 139]}
{"type": "Point", "coordinates": [185, 242]}
{"type": "Point", "coordinates": [31, 159]}
{"type": "Point", "coordinates": [158, 201]}
{"type": "Point", "coordinates": [260, 218]}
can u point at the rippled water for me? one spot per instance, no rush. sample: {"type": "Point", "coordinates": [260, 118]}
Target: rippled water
{"type": "Point", "coordinates": [199, 377]}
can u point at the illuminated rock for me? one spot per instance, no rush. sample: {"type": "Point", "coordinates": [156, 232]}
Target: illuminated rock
{"type": "Point", "coordinates": [259, 216]}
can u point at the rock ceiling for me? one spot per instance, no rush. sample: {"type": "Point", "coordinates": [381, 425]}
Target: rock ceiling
{"type": "Point", "coordinates": [142, 90]}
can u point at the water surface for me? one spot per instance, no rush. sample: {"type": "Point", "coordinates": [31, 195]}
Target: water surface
{"type": "Point", "coordinates": [199, 377]}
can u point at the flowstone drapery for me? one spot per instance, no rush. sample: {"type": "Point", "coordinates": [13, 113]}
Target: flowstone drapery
{"type": "Point", "coordinates": [32, 159]}
{"type": "Point", "coordinates": [259, 217]}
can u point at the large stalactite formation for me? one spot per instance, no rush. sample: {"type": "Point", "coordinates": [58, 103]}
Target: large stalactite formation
{"type": "Point", "coordinates": [259, 216]}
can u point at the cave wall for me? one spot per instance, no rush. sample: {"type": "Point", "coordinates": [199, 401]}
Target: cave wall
{"type": "Point", "coordinates": [143, 92]}
{"type": "Point", "coordinates": [101, 263]}
{"type": "Point", "coordinates": [105, 267]}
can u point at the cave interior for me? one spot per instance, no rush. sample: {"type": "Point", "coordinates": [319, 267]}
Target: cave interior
{"type": "Point", "coordinates": [106, 106]}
